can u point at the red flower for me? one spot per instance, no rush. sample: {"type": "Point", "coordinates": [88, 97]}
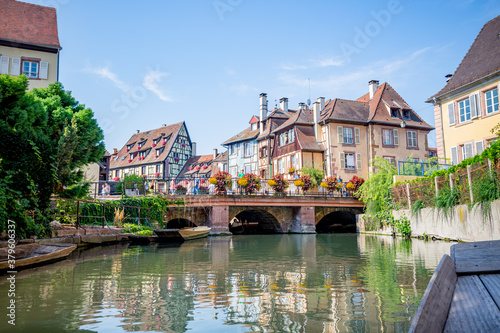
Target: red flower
{"type": "Point", "coordinates": [153, 144]}
{"type": "Point", "coordinates": [163, 142]}
{"type": "Point", "coordinates": [116, 179]}
{"type": "Point", "coordinates": [129, 160]}
{"type": "Point", "coordinates": [157, 174]}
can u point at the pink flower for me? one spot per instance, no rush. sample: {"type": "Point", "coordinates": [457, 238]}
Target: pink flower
{"type": "Point", "coordinates": [157, 174]}
{"type": "Point", "coordinates": [204, 167]}
{"type": "Point", "coordinates": [190, 168]}
{"type": "Point", "coordinates": [163, 142]}
{"type": "Point", "coordinates": [129, 160]}
{"type": "Point", "coordinates": [153, 144]}
{"type": "Point", "coordinates": [197, 168]}
{"type": "Point", "coordinates": [116, 179]}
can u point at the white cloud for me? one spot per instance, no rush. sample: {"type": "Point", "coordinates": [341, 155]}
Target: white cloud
{"type": "Point", "coordinates": [151, 82]}
{"type": "Point", "coordinates": [292, 67]}
{"type": "Point", "coordinates": [105, 72]}
{"type": "Point", "coordinates": [329, 62]}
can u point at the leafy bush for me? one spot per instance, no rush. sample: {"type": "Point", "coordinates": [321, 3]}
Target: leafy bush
{"type": "Point", "coordinates": [447, 199]}
{"type": "Point", "coordinates": [402, 226]}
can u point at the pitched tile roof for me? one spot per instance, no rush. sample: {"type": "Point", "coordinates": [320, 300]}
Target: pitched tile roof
{"type": "Point", "coordinates": [307, 139]}
{"type": "Point", "coordinates": [28, 23]}
{"type": "Point", "coordinates": [378, 109]}
{"type": "Point", "coordinates": [194, 161]}
{"type": "Point", "coordinates": [120, 160]}
{"type": "Point", "coordinates": [481, 60]}
{"type": "Point", "coordinates": [303, 117]}
{"type": "Point", "coordinates": [246, 134]}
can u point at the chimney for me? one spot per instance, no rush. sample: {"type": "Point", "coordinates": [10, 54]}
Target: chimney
{"type": "Point", "coordinates": [302, 106]}
{"type": "Point", "coordinates": [115, 151]}
{"type": "Point", "coordinates": [163, 125]}
{"type": "Point", "coordinates": [321, 101]}
{"type": "Point", "coordinates": [448, 77]}
{"type": "Point", "coordinates": [284, 104]}
{"type": "Point", "coordinates": [263, 111]}
{"type": "Point", "coordinates": [372, 87]}
{"type": "Point", "coordinates": [193, 150]}
{"type": "Point", "coordinates": [138, 131]}
{"type": "Point", "coordinates": [215, 152]}
{"type": "Point", "coordinates": [316, 115]}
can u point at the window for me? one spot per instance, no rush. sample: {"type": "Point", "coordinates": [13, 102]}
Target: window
{"type": "Point", "coordinates": [390, 137]}
{"type": "Point", "coordinates": [131, 156]}
{"type": "Point", "coordinates": [286, 137]}
{"type": "Point", "coordinates": [158, 168]}
{"type": "Point", "coordinates": [467, 150]}
{"type": "Point", "coordinates": [411, 139]}
{"type": "Point", "coordinates": [491, 100]}
{"type": "Point", "coordinates": [254, 126]}
{"type": "Point", "coordinates": [117, 173]}
{"type": "Point", "coordinates": [281, 167]}
{"type": "Point", "coordinates": [248, 149]}
{"type": "Point", "coordinates": [295, 161]}
{"type": "Point", "coordinates": [454, 156]}
{"type": "Point", "coordinates": [30, 69]}
{"type": "Point", "coordinates": [233, 149]}
{"type": "Point", "coordinates": [159, 151]}
{"type": "Point", "coordinates": [464, 110]}
{"type": "Point", "coordinates": [390, 159]}
{"type": "Point", "coordinates": [395, 113]}
{"type": "Point", "coordinates": [406, 114]}
{"type": "Point", "coordinates": [349, 161]}
{"type": "Point", "coordinates": [143, 169]}
{"type": "Point", "coordinates": [263, 152]}
{"type": "Point", "coordinates": [348, 136]}
{"type": "Point", "coordinates": [248, 168]}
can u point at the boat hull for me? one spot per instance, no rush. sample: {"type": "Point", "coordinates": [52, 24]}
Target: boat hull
{"type": "Point", "coordinates": [184, 234]}
{"type": "Point", "coordinates": [44, 254]}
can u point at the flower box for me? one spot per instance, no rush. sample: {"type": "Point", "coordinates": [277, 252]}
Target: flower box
{"type": "Point", "coordinates": [116, 179]}
{"type": "Point", "coordinates": [157, 174]}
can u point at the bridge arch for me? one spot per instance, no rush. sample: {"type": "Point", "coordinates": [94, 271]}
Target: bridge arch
{"type": "Point", "coordinates": [340, 221]}
{"type": "Point", "coordinates": [254, 221]}
{"type": "Point", "coordinates": [179, 223]}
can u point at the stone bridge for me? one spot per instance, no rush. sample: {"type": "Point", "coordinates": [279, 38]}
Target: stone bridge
{"type": "Point", "coordinates": [266, 214]}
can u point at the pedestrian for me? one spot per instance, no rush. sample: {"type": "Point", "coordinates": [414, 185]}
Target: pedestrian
{"type": "Point", "coordinates": [241, 174]}
{"type": "Point", "coordinates": [211, 188]}
{"type": "Point", "coordinates": [189, 190]}
{"type": "Point", "coordinates": [106, 190]}
{"type": "Point", "coordinates": [197, 185]}
{"type": "Point", "coordinates": [172, 187]}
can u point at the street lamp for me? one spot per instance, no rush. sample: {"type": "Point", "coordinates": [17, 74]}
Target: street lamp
{"type": "Point", "coordinates": [403, 124]}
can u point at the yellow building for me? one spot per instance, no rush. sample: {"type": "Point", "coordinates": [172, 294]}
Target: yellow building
{"type": "Point", "coordinates": [467, 108]}
{"type": "Point", "coordinates": [29, 42]}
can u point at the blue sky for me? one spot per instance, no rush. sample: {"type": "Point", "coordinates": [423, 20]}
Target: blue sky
{"type": "Point", "coordinates": [139, 64]}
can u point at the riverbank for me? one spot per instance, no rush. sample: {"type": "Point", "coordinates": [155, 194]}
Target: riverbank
{"type": "Point", "coordinates": [460, 223]}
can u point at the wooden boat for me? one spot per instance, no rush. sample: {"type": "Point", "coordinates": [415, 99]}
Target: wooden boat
{"type": "Point", "coordinates": [43, 254]}
{"type": "Point", "coordinates": [183, 234]}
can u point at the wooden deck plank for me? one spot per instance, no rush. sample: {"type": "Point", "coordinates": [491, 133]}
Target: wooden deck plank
{"type": "Point", "coordinates": [492, 284]}
{"type": "Point", "coordinates": [433, 309]}
{"type": "Point", "coordinates": [472, 308]}
{"type": "Point", "coordinates": [477, 257]}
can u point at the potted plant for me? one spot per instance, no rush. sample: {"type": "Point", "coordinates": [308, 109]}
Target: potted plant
{"type": "Point", "coordinates": [331, 184]}
{"type": "Point", "coordinates": [250, 183]}
{"type": "Point", "coordinates": [153, 145]}
{"type": "Point", "coordinates": [163, 142]}
{"type": "Point", "coordinates": [129, 160]}
{"type": "Point", "coordinates": [197, 168]}
{"type": "Point", "coordinates": [179, 189]}
{"type": "Point", "coordinates": [278, 184]}
{"type": "Point", "coordinates": [190, 168]}
{"type": "Point", "coordinates": [291, 170]}
{"type": "Point", "coordinates": [116, 179]}
{"type": "Point", "coordinates": [308, 182]}
{"type": "Point", "coordinates": [157, 174]}
{"type": "Point", "coordinates": [222, 182]}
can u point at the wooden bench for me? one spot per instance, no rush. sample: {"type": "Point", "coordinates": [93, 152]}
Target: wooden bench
{"type": "Point", "coordinates": [463, 294]}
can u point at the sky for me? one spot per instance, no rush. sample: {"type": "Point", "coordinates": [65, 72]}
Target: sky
{"type": "Point", "coordinates": [141, 64]}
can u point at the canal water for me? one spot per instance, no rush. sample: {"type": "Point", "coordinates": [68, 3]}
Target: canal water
{"type": "Point", "coordinates": [250, 283]}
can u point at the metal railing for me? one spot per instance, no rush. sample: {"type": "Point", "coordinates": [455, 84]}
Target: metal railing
{"type": "Point", "coordinates": [186, 186]}
{"type": "Point", "coordinates": [413, 168]}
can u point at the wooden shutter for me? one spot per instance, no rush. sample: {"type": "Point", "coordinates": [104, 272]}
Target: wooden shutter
{"type": "Point", "coordinates": [342, 160]}
{"type": "Point", "coordinates": [15, 69]}
{"type": "Point", "coordinates": [4, 65]}
{"type": "Point", "coordinates": [469, 150]}
{"type": "Point", "coordinates": [340, 134]}
{"type": "Point", "coordinates": [479, 147]}
{"type": "Point", "coordinates": [357, 136]}
{"type": "Point", "coordinates": [358, 161]}
{"type": "Point", "coordinates": [454, 156]}
{"type": "Point", "coordinates": [451, 114]}
{"type": "Point", "coordinates": [395, 133]}
{"type": "Point", "coordinates": [474, 105]}
{"type": "Point", "coordinates": [44, 70]}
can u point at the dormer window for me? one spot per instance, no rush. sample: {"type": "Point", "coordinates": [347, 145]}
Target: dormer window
{"type": "Point", "coordinates": [130, 146]}
{"type": "Point", "coordinates": [406, 114]}
{"type": "Point", "coordinates": [254, 127]}
{"type": "Point", "coordinates": [395, 113]}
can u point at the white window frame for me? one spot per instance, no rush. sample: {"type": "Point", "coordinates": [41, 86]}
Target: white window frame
{"type": "Point", "coordinates": [248, 149]}
{"type": "Point", "coordinates": [357, 135]}
{"type": "Point", "coordinates": [454, 155]}
{"type": "Point", "coordinates": [348, 134]}
{"type": "Point", "coordinates": [492, 100]}
{"type": "Point", "coordinates": [353, 166]}
{"type": "Point", "coordinates": [391, 137]}
{"type": "Point", "coordinates": [464, 109]}
{"type": "Point", "coordinates": [479, 147]}
{"type": "Point", "coordinates": [451, 114]}
{"type": "Point", "coordinates": [30, 73]}
{"type": "Point", "coordinates": [467, 150]}
{"type": "Point", "coordinates": [411, 139]}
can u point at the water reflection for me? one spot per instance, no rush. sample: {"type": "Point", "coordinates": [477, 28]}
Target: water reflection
{"type": "Point", "coordinates": [263, 283]}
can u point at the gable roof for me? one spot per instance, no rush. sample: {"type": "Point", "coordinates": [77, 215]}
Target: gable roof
{"type": "Point", "coordinates": [303, 117]}
{"type": "Point", "coordinates": [120, 160]}
{"type": "Point", "coordinates": [307, 139]}
{"type": "Point", "coordinates": [194, 161]}
{"type": "Point", "coordinates": [481, 60]}
{"type": "Point", "coordinates": [375, 110]}
{"type": "Point", "coordinates": [23, 22]}
{"type": "Point", "coordinates": [246, 134]}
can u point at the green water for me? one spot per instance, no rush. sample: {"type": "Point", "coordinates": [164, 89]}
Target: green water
{"type": "Point", "coordinates": [261, 283]}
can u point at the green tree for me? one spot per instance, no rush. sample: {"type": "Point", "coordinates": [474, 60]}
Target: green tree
{"type": "Point", "coordinates": [316, 174]}
{"type": "Point", "coordinates": [376, 191]}
{"type": "Point", "coordinates": [46, 137]}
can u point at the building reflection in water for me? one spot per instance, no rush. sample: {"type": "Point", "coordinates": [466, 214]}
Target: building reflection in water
{"type": "Point", "coordinates": [295, 283]}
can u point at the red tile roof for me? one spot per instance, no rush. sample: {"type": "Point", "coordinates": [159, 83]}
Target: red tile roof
{"type": "Point", "coordinates": [27, 23]}
{"type": "Point", "coordinates": [481, 60]}
{"type": "Point", "coordinates": [246, 134]}
{"type": "Point", "coordinates": [303, 117]}
{"type": "Point", "coordinates": [307, 139]}
{"type": "Point", "coordinates": [194, 161]}
{"type": "Point", "coordinates": [120, 160]}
